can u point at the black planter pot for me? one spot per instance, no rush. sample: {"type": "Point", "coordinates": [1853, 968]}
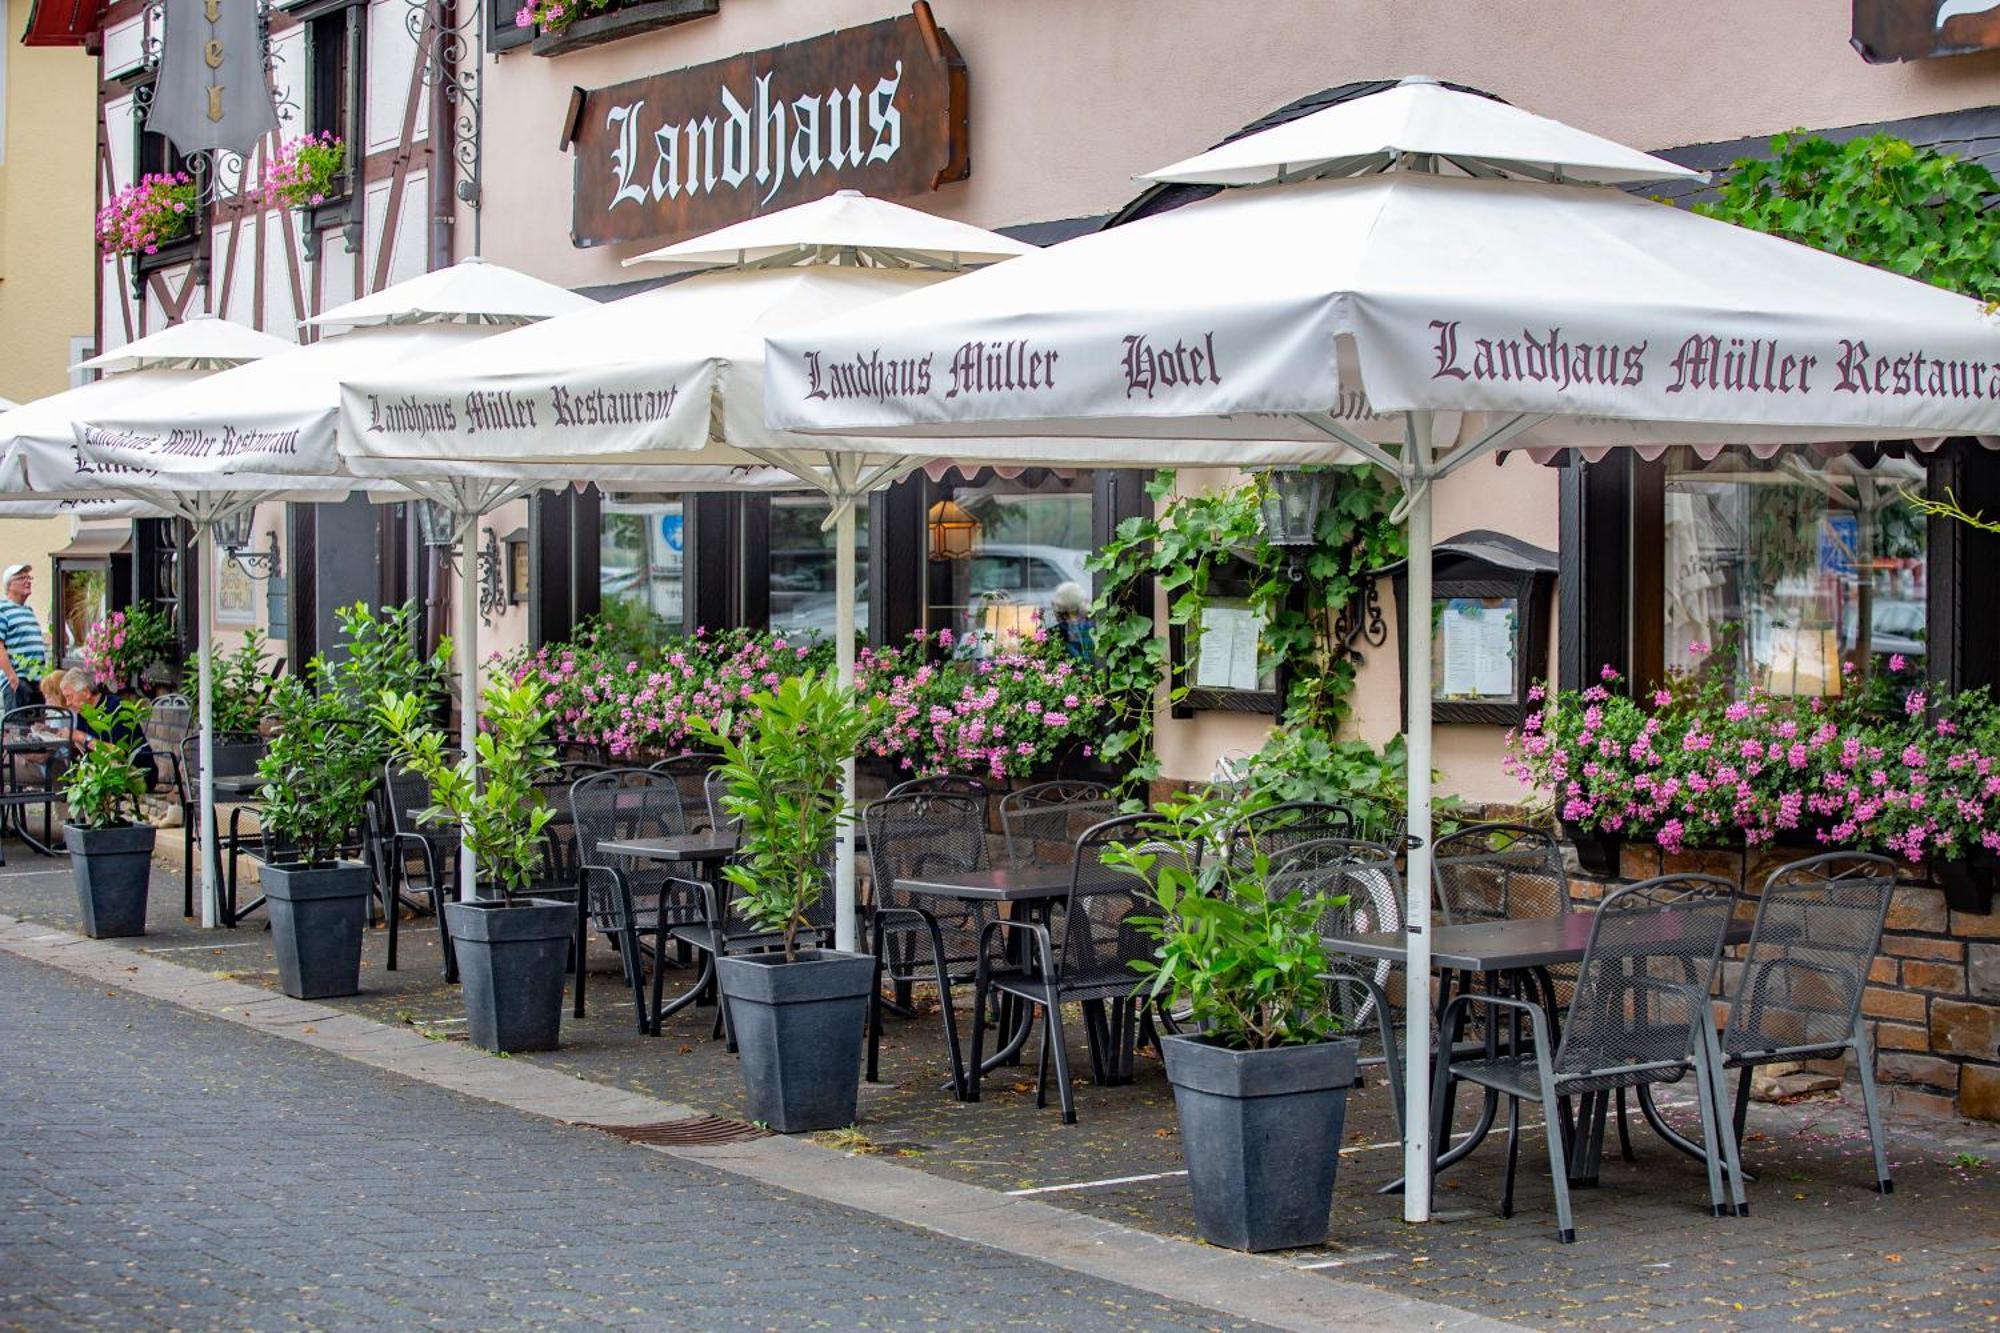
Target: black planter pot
{"type": "Point", "coordinates": [111, 867]}
{"type": "Point", "coordinates": [317, 916]}
{"type": "Point", "coordinates": [1969, 883]}
{"type": "Point", "coordinates": [511, 958]}
{"type": "Point", "coordinates": [235, 758]}
{"type": "Point", "coordinates": [798, 1028]}
{"type": "Point", "coordinates": [1596, 852]}
{"type": "Point", "coordinates": [1261, 1134]}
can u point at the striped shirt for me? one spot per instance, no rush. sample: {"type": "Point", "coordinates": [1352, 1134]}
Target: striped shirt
{"type": "Point", "coordinates": [22, 634]}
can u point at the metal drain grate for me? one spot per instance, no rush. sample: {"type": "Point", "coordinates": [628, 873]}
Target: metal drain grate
{"type": "Point", "coordinates": [698, 1131]}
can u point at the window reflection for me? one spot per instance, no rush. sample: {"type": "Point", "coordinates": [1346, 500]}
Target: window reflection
{"type": "Point", "coordinates": [1797, 568]}
{"type": "Point", "coordinates": [641, 564]}
{"type": "Point", "coordinates": [1028, 563]}
{"type": "Point", "coordinates": [802, 566]}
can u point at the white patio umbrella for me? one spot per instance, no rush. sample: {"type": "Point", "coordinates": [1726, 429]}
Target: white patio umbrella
{"type": "Point", "coordinates": [664, 390]}
{"type": "Point", "coordinates": [1462, 312]}
{"type": "Point", "coordinates": [42, 471]}
{"type": "Point", "coordinates": [266, 430]}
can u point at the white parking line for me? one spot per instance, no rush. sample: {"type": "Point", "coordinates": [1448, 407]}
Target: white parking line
{"type": "Point", "coordinates": [1373, 1256]}
{"type": "Point", "coordinates": [200, 948]}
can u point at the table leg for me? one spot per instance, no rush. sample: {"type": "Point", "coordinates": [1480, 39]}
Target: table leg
{"type": "Point", "coordinates": [1489, 1109]}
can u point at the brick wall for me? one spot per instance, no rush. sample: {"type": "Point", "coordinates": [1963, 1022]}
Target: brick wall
{"type": "Point", "coordinates": [1934, 992]}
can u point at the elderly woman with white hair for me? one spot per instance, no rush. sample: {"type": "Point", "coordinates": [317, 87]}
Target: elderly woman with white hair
{"type": "Point", "coordinates": [1070, 605]}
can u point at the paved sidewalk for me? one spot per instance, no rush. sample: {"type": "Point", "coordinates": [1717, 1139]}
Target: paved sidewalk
{"type": "Point", "coordinates": [161, 1168]}
{"type": "Point", "coordinates": [1820, 1248]}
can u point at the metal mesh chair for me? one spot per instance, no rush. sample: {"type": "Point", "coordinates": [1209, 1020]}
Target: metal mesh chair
{"type": "Point", "coordinates": [1499, 872]}
{"type": "Point", "coordinates": [235, 752]}
{"type": "Point", "coordinates": [38, 751]}
{"type": "Point", "coordinates": [1640, 1016]}
{"type": "Point", "coordinates": [1043, 822]}
{"type": "Point", "coordinates": [714, 786]}
{"type": "Point", "coordinates": [915, 835]}
{"type": "Point", "coordinates": [969, 785]}
{"type": "Point", "coordinates": [1798, 994]}
{"type": "Point", "coordinates": [630, 901]}
{"type": "Point", "coordinates": [690, 773]}
{"type": "Point", "coordinates": [1086, 958]}
{"type": "Point", "coordinates": [1362, 892]}
{"type": "Point", "coordinates": [1275, 828]}
{"type": "Point", "coordinates": [419, 860]}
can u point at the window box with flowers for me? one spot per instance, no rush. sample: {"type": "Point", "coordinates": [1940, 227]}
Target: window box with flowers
{"type": "Point", "coordinates": [1874, 768]}
{"type": "Point", "coordinates": [562, 26]}
{"type": "Point", "coordinates": [153, 222]}
{"type": "Point", "coordinates": [309, 175]}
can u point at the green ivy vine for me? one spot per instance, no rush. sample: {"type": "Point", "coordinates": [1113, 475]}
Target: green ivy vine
{"type": "Point", "coordinates": [1180, 547]}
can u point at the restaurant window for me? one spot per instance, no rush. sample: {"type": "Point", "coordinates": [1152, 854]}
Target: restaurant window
{"type": "Point", "coordinates": [1804, 573]}
{"type": "Point", "coordinates": [642, 569]}
{"type": "Point", "coordinates": [802, 567]}
{"type": "Point", "coordinates": [1028, 554]}
{"type": "Point", "coordinates": [83, 600]}
{"type": "Point", "coordinates": [153, 154]}
{"type": "Point", "coordinates": [332, 39]}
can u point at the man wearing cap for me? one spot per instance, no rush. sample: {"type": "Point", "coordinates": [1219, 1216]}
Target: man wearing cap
{"type": "Point", "coordinates": [24, 649]}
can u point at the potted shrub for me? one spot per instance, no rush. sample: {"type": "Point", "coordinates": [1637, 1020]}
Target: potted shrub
{"type": "Point", "coordinates": [797, 1014]}
{"type": "Point", "coordinates": [316, 784]}
{"type": "Point", "coordinates": [511, 947]}
{"type": "Point", "coordinates": [110, 844]}
{"type": "Point", "coordinates": [1261, 1078]}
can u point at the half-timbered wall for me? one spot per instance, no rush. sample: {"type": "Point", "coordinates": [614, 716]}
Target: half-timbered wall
{"type": "Point", "coordinates": [256, 264]}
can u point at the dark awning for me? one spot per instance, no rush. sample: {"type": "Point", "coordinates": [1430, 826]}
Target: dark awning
{"type": "Point", "coordinates": [62, 22]}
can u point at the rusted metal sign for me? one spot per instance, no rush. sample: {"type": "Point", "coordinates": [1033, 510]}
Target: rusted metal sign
{"type": "Point", "coordinates": [1886, 30]}
{"type": "Point", "coordinates": [881, 109]}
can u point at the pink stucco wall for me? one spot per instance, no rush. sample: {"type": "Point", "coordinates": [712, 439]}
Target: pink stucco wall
{"type": "Point", "coordinates": [1070, 99]}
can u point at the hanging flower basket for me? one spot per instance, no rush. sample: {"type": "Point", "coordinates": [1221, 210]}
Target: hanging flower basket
{"type": "Point", "coordinates": [156, 211]}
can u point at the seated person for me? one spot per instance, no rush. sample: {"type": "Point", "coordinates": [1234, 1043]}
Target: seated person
{"type": "Point", "coordinates": [81, 692]}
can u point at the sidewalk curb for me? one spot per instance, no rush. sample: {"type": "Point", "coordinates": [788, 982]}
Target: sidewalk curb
{"type": "Point", "coordinates": [1267, 1291]}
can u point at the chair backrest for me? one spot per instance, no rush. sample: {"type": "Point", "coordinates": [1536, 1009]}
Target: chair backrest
{"type": "Point", "coordinates": [1100, 940]}
{"type": "Point", "coordinates": [951, 784]}
{"type": "Point", "coordinates": [1819, 924]}
{"type": "Point", "coordinates": [1043, 822]}
{"type": "Point", "coordinates": [16, 723]}
{"type": "Point", "coordinates": [1499, 872]}
{"type": "Point", "coordinates": [617, 804]}
{"type": "Point", "coordinates": [1275, 828]}
{"type": "Point", "coordinates": [1361, 890]}
{"type": "Point", "coordinates": [169, 722]}
{"type": "Point", "coordinates": [622, 803]}
{"type": "Point", "coordinates": [690, 772]}
{"type": "Point", "coordinates": [922, 833]}
{"type": "Point", "coordinates": [235, 752]}
{"type": "Point", "coordinates": [715, 786]}
{"type": "Point", "coordinates": [1646, 976]}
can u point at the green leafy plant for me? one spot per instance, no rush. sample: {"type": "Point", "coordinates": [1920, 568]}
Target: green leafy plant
{"type": "Point", "coordinates": [491, 793]}
{"type": "Point", "coordinates": [1180, 550]}
{"type": "Point", "coordinates": [1302, 763]}
{"type": "Point", "coordinates": [102, 786]}
{"type": "Point", "coordinates": [382, 654]}
{"type": "Point", "coordinates": [242, 689]}
{"type": "Point", "coordinates": [317, 776]}
{"type": "Point", "coordinates": [783, 772]}
{"type": "Point", "coordinates": [1878, 200]}
{"type": "Point", "coordinates": [1239, 949]}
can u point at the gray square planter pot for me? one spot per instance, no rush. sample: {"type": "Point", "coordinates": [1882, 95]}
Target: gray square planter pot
{"type": "Point", "coordinates": [111, 867]}
{"type": "Point", "coordinates": [511, 958]}
{"type": "Point", "coordinates": [798, 1029]}
{"type": "Point", "coordinates": [1261, 1134]}
{"type": "Point", "coordinates": [317, 916]}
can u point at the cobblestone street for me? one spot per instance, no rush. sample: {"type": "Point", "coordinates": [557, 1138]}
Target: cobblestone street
{"type": "Point", "coordinates": [161, 1169]}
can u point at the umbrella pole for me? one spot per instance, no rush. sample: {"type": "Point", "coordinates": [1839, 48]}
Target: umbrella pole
{"type": "Point", "coordinates": [1417, 908]}
{"type": "Point", "coordinates": [844, 932]}
{"type": "Point", "coordinates": [468, 678]}
{"type": "Point", "coordinates": [211, 905]}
